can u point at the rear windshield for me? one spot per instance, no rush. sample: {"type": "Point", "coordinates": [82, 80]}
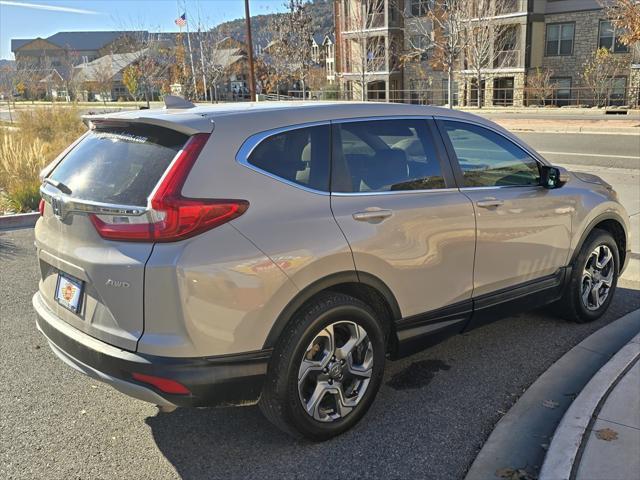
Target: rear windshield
{"type": "Point", "coordinates": [119, 164]}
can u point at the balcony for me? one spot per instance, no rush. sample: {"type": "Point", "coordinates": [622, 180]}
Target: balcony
{"type": "Point", "coordinates": [508, 59]}
{"type": "Point", "coordinates": [371, 22]}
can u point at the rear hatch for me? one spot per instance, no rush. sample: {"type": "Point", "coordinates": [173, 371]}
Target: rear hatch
{"type": "Point", "coordinates": [97, 284]}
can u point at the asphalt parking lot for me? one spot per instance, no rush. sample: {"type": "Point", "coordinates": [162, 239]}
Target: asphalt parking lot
{"type": "Point", "coordinates": [432, 415]}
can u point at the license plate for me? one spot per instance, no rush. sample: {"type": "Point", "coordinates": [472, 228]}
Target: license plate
{"type": "Point", "coordinates": [69, 292]}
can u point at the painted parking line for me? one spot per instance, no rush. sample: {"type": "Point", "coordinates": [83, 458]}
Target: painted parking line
{"type": "Point", "coordinates": [577, 154]}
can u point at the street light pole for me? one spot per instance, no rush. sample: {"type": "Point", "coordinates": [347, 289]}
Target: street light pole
{"type": "Point", "coordinates": [252, 86]}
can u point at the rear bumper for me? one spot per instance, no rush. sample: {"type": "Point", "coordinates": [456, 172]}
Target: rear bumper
{"type": "Point", "coordinates": [224, 380]}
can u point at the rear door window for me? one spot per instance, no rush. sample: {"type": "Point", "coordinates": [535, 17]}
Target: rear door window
{"type": "Point", "coordinates": [119, 164]}
{"type": "Point", "coordinates": [385, 155]}
{"type": "Point", "coordinates": [300, 156]}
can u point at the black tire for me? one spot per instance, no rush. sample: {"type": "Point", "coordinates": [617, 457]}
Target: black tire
{"type": "Point", "coordinates": [571, 306]}
{"type": "Point", "coordinates": [280, 401]}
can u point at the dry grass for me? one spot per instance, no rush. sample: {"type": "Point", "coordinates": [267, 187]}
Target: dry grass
{"type": "Point", "coordinates": [41, 135]}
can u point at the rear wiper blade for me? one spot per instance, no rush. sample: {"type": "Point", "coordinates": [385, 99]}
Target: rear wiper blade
{"type": "Point", "coordinates": [59, 185]}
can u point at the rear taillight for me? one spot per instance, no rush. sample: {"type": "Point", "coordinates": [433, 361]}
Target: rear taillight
{"type": "Point", "coordinates": [41, 207]}
{"type": "Point", "coordinates": [165, 385]}
{"type": "Point", "coordinates": [172, 216]}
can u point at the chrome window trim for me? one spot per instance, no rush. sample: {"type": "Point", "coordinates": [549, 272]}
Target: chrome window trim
{"type": "Point", "coordinates": [250, 144]}
{"type": "Point", "coordinates": [395, 192]}
{"type": "Point", "coordinates": [498, 187]}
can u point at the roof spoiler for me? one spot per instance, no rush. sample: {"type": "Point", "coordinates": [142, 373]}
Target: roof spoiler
{"type": "Point", "coordinates": [174, 101]}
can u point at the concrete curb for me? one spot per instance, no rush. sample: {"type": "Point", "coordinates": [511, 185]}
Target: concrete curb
{"type": "Point", "coordinates": [585, 130]}
{"type": "Point", "coordinates": [568, 438]}
{"type": "Point", "coordinates": [520, 438]}
{"type": "Point", "coordinates": [19, 220]}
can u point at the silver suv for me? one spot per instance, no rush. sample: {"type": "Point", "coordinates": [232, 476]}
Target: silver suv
{"type": "Point", "coordinates": [279, 253]}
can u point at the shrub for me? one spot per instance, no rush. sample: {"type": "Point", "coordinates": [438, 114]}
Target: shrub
{"type": "Point", "coordinates": [41, 135]}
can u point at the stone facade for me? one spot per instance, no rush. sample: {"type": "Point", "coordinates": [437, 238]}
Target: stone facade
{"type": "Point", "coordinates": [585, 43]}
{"type": "Point", "coordinates": [634, 86]}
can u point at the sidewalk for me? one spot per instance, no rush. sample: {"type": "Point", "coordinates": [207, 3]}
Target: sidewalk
{"type": "Point", "coordinates": [594, 436]}
{"type": "Point", "coordinates": [549, 125]}
{"type": "Point", "coordinates": [599, 435]}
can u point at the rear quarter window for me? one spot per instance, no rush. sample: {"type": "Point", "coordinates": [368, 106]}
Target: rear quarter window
{"type": "Point", "coordinates": [119, 164]}
{"type": "Point", "coordinates": [300, 155]}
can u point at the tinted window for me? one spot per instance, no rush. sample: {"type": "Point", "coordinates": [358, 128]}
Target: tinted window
{"type": "Point", "coordinates": [300, 156]}
{"type": "Point", "coordinates": [609, 38]}
{"type": "Point", "coordinates": [560, 39]}
{"type": "Point", "coordinates": [119, 165]}
{"type": "Point", "coordinates": [488, 159]}
{"type": "Point", "coordinates": [385, 155]}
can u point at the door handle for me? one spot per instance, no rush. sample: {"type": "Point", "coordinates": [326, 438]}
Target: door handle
{"type": "Point", "coordinates": [372, 215]}
{"type": "Point", "coordinates": [490, 203]}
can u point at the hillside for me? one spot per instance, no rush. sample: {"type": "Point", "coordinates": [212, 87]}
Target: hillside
{"type": "Point", "coordinates": [321, 14]}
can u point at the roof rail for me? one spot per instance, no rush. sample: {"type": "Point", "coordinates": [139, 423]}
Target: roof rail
{"type": "Point", "coordinates": [174, 101]}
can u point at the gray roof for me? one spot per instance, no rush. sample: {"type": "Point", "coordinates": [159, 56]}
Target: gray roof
{"type": "Point", "coordinates": [79, 40]}
{"type": "Point", "coordinates": [114, 64]}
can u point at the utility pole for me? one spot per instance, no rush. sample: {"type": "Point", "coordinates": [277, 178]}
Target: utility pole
{"type": "Point", "coordinates": [252, 85]}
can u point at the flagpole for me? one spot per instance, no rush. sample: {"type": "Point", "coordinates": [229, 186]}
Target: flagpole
{"type": "Point", "coordinates": [204, 77]}
{"type": "Point", "coordinates": [193, 70]}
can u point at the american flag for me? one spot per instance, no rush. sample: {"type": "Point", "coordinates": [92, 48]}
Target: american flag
{"type": "Point", "coordinates": [181, 21]}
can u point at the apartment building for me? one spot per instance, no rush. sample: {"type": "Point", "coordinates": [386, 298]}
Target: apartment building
{"type": "Point", "coordinates": [323, 54]}
{"type": "Point", "coordinates": [556, 36]}
{"type": "Point", "coordinates": [368, 35]}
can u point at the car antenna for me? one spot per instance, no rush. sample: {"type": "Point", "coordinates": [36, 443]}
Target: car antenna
{"type": "Point", "coordinates": [174, 101]}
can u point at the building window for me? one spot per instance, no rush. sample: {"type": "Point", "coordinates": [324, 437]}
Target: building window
{"type": "Point", "coordinates": [608, 38]}
{"type": "Point", "coordinates": [559, 39]}
{"type": "Point", "coordinates": [562, 90]}
{"type": "Point", "coordinates": [419, 8]}
{"type": "Point", "coordinates": [454, 91]}
{"type": "Point", "coordinates": [618, 91]}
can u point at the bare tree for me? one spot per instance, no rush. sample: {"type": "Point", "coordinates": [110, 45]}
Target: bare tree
{"type": "Point", "coordinates": [439, 35]}
{"type": "Point", "coordinates": [70, 59]}
{"type": "Point", "coordinates": [156, 54]}
{"type": "Point", "coordinates": [7, 84]}
{"type": "Point", "coordinates": [488, 39]}
{"type": "Point", "coordinates": [274, 61]}
{"type": "Point", "coordinates": [540, 84]}
{"type": "Point", "coordinates": [365, 53]}
{"type": "Point", "coordinates": [103, 78]}
{"type": "Point", "coordinates": [293, 31]}
{"type": "Point", "coordinates": [599, 72]}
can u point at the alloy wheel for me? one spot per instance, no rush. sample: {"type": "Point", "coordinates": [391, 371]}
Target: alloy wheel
{"type": "Point", "coordinates": [335, 371]}
{"type": "Point", "coordinates": [597, 277]}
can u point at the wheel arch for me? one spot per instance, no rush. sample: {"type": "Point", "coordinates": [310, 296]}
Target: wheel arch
{"type": "Point", "coordinates": [363, 286]}
{"type": "Point", "coordinates": [612, 223]}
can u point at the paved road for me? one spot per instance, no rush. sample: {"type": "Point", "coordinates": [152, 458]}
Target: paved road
{"type": "Point", "coordinates": [432, 415]}
{"type": "Point", "coordinates": [603, 150]}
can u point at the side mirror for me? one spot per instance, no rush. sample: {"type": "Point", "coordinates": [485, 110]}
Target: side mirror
{"type": "Point", "coordinates": [553, 177]}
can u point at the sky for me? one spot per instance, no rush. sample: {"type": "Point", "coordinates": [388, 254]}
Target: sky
{"type": "Point", "coordinates": [42, 18]}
